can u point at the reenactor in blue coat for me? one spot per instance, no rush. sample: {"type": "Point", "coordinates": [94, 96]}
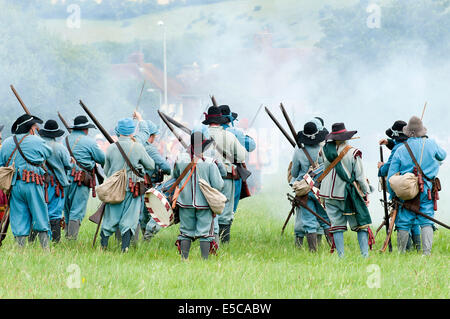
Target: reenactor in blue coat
{"type": "Point", "coordinates": [311, 138]}
{"type": "Point", "coordinates": [28, 209]}
{"type": "Point", "coordinates": [429, 156]}
{"type": "Point", "coordinates": [396, 139]}
{"type": "Point", "coordinates": [196, 217]}
{"type": "Point", "coordinates": [85, 155]}
{"type": "Point", "coordinates": [147, 133]}
{"type": "Point", "coordinates": [58, 165]}
{"type": "Point", "coordinates": [125, 215]}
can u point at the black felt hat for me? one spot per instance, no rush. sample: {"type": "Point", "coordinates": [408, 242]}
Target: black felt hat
{"type": "Point", "coordinates": [396, 131]}
{"type": "Point", "coordinates": [311, 135]}
{"type": "Point", "coordinates": [24, 123]}
{"type": "Point", "coordinates": [51, 129]}
{"type": "Point", "coordinates": [340, 133]}
{"type": "Point", "coordinates": [214, 116]}
{"type": "Point", "coordinates": [81, 123]}
{"type": "Point", "coordinates": [225, 110]}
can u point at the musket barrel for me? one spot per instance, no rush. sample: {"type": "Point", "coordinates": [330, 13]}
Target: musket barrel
{"type": "Point", "coordinates": [97, 123]}
{"type": "Point", "coordinates": [288, 120]}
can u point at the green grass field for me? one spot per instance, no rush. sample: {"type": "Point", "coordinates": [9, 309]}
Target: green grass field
{"type": "Point", "coordinates": [258, 263]}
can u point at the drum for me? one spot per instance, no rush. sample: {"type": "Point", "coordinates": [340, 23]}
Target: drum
{"type": "Point", "coordinates": [158, 204]}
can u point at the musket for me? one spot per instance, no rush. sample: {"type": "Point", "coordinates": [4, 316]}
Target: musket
{"type": "Point", "coordinates": [418, 212]}
{"type": "Point", "coordinates": [287, 219]}
{"type": "Point", "coordinates": [391, 229]}
{"type": "Point", "coordinates": [256, 115]}
{"type": "Point", "coordinates": [386, 208]}
{"type": "Point", "coordinates": [293, 143]}
{"type": "Point", "coordinates": [97, 123]}
{"type": "Point", "coordinates": [27, 111]}
{"type": "Point", "coordinates": [172, 129]}
{"type": "Point", "coordinates": [97, 218]}
{"type": "Point", "coordinates": [63, 121]}
{"type": "Point", "coordinates": [298, 203]}
{"type": "Point", "coordinates": [20, 100]}
{"type": "Point", "coordinates": [288, 121]}
{"type": "Point", "coordinates": [111, 141]}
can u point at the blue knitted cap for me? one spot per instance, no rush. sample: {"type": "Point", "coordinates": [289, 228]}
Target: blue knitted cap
{"type": "Point", "coordinates": [126, 126]}
{"type": "Point", "coordinates": [152, 127]}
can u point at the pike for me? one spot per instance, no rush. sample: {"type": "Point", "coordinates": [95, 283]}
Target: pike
{"type": "Point", "coordinates": [213, 100]}
{"type": "Point", "coordinates": [98, 216]}
{"type": "Point", "coordinates": [291, 141]}
{"type": "Point", "coordinates": [140, 96]}
{"type": "Point", "coordinates": [386, 208]}
{"type": "Point", "coordinates": [256, 115]}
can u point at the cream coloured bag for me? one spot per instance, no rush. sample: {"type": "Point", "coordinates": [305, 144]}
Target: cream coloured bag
{"type": "Point", "coordinates": [6, 176]}
{"type": "Point", "coordinates": [114, 188]}
{"type": "Point", "coordinates": [406, 186]}
{"type": "Point", "coordinates": [301, 188]}
{"type": "Point", "coordinates": [216, 200]}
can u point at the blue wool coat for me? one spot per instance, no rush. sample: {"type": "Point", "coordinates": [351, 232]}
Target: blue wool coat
{"type": "Point", "coordinates": [27, 202]}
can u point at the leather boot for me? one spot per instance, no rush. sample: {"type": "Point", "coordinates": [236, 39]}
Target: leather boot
{"type": "Point", "coordinates": [416, 242]}
{"type": "Point", "coordinates": [319, 240]}
{"type": "Point", "coordinates": [43, 239]}
{"type": "Point", "coordinates": [126, 239]}
{"type": "Point", "coordinates": [73, 229]}
{"type": "Point", "coordinates": [312, 241]}
{"type": "Point", "coordinates": [409, 244]}
{"type": "Point", "coordinates": [185, 246]}
{"type": "Point", "coordinates": [103, 241]}
{"type": "Point", "coordinates": [204, 249]}
{"type": "Point", "coordinates": [118, 235]}
{"type": "Point", "coordinates": [224, 232]}
{"type": "Point", "coordinates": [427, 240]}
{"type": "Point", "coordinates": [298, 241]}
{"type": "Point", "coordinates": [402, 240]}
{"type": "Point", "coordinates": [32, 236]}
{"type": "Point", "coordinates": [21, 241]}
{"type": "Point", "coordinates": [55, 226]}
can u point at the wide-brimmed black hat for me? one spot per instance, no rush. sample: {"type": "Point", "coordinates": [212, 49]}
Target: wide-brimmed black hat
{"type": "Point", "coordinates": [214, 116]}
{"type": "Point", "coordinates": [340, 133]}
{"type": "Point", "coordinates": [81, 123]}
{"type": "Point", "coordinates": [311, 135]}
{"type": "Point", "coordinates": [51, 129]}
{"type": "Point", "coordinates": [199, 143]}
{"type": "Point", "coordinates": [24, 123]}
{"type": "Point", "coordinates": [396, 131]}
{"type": "Point", "coordinates": [226, 111]}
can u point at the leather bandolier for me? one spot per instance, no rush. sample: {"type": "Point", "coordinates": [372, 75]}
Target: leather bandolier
{"type": "Point", "coordinates": [83, 176]}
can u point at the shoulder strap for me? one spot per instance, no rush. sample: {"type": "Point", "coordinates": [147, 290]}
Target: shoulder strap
{"type": "Point", "coordinates": [182, 175]}
{"type": "Point", "coordinates": [71, 154]}
{"type": "Point", "coordinates": [127, 160]}
{"type": "Point", "coordinates": [15, 149]}
{"type": "Point", "coordinates": [334, 163]}
{"type": "Point", "coordinates": [22, 154]}
{"type": "Point", "coordinates": [311, 162]}
{"type": "Point", "coordinates": [415, 161]}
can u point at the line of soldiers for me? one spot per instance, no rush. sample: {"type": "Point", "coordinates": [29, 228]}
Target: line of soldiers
{"type": "Point", "coordinates": [54, 179]}
{"type": "Point", "coordinates": [344, 190]}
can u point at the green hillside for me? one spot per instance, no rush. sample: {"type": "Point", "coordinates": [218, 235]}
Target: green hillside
{"type": "Point", "coordinates": [297, 20]}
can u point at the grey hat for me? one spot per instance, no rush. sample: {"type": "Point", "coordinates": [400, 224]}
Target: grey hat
{"type": "Point", "coordinates": [415, 128]}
